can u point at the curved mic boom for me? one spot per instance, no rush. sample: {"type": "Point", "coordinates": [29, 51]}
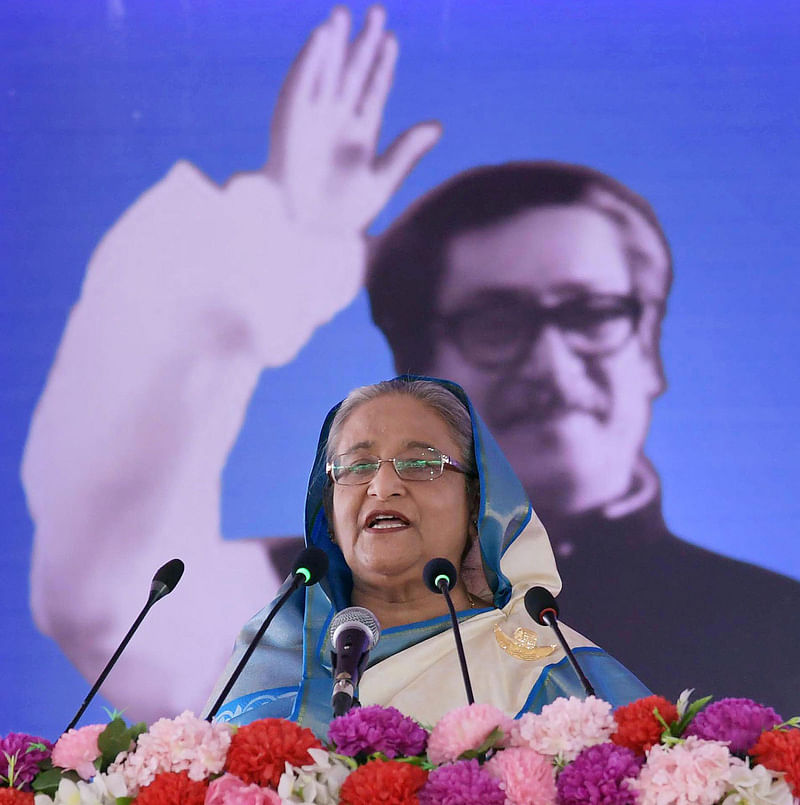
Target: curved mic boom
{"type": "Point", "coordinates": [164, 582]}
{"type": "Point", "coordinates": [542, 607]}
{"type": "Point", "coordinates": [310, 566]}
{"type": "Point", "coordinates": [440, 577]}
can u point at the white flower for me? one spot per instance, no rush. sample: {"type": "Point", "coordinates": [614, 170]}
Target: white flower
{"type": "Point", "coordinates": [103, 790]}
{"type": "Point", "coordinates": [318, 782]}
{"type": "Point", "coordinates": [756, 786]}
{"type": "Point", "coordinates": [67, 794]}
{"type": "Point", "coordinates": [106, 788]}
{"type": "Point", "coordinates": [683, 702]}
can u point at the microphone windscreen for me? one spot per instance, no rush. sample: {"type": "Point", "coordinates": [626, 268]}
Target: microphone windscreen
{"type": "Point", "coordinates": [437, 569]}
{"type": "Point", "coordinates": [538, 600]}
{"type": "Point", "coordinates": [359, 618]}
{"type": "Point", "coordinates": [311, 564]}
{"type": "Point", "coordinates": [169, 575]}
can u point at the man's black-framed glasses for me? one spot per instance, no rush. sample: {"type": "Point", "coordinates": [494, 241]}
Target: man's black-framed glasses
{"type": "Point", "coordinates": [499, 329]}
{"type": "Point", "coordinates": [416, 464]}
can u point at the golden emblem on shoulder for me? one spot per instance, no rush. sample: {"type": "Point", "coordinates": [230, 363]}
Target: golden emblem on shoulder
{"type": "Point", "coordinates": [522, 645]}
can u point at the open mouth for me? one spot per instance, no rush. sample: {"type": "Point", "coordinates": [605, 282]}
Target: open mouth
{"type": "Point", "coordinates": [385, 521]}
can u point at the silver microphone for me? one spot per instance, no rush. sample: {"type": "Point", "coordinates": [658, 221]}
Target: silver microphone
{"type": "Point", "coordinates": [354, 632]}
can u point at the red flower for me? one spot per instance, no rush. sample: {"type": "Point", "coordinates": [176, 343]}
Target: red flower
{"type": "Point", "coordinates": [13, 796]}
{"type": "Point", "coordinates": [259, 751]}
{"type": "Point", "coordinates": [173, 788]}
{"type": "Point", "coordinates": [386, 781]}
{"type": "Point", "coordinates": [637, 726]}
{"type": "Point", "coordinates": [779, 750]}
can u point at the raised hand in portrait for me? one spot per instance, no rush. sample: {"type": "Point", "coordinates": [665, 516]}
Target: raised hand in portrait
{"type": "Point", "coordinates": [327, 123]}
{"type": "Point", "coordinates": [191, 294]}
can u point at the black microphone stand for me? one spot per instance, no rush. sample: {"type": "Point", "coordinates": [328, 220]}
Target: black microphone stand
{"type": "Point", "coordinates": [444, 589]}
{"type": "Point", "coordinates": [297, 581]}
{"type": "Point", "coordinates": [164, 582]}
{"type": "Point", "coordinates": [309, 567]}
{"type": "Point", "coordinates": [549, 619]}
{"type": "Point", "coordinates": [110, 664]}
{"type": "Point", "coordinates": [542, 607]}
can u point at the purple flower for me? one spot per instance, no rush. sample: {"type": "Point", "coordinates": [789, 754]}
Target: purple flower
{"type": "Point", "coordinates": [462, 783]}
{"type": "Point", "coordinates": [600, 776]}
{"type": "Point", "coordinates": [365, 730]}
{"type": "Point", "coordinates": [18, 761]}
{"type": "Point", "coordinates": [738, 721]}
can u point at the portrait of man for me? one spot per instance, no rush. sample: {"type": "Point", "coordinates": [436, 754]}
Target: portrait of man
{"type": "Point", "coordinates": [541, 288]}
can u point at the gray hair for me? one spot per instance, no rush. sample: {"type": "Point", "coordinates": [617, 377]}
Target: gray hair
{"type": "Point", "coordinates": [428, 392]}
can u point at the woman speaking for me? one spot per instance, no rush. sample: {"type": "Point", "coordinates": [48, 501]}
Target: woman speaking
{"type": "Point", "coordinates": [406, 472]}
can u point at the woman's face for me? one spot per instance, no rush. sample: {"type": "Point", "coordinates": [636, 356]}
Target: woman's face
{"type": "Point", "coordinates": [419, 520]}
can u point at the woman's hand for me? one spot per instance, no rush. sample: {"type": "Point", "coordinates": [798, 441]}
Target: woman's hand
{"type": "Point", "coordinates": [326, 127]}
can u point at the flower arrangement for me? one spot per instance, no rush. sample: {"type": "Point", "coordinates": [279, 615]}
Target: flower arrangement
{"type": "Point", "coordinates": [650, 752]}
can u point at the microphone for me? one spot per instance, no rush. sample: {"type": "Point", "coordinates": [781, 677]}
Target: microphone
{"type": "Point", "coordinates": [354, 631]}
{"type": "Point", "coordinates": [310, 567]}
{"type": "Point", "coordinates": [440, 577]}
{"type": "Point", "coordinates": [542, 607]}
{"type": "Point", "coordinates": [164, 582]}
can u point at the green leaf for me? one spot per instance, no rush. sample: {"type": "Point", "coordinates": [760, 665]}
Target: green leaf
{"type": "Point", "coordinates": [115, 738]}
{"type": "Point", "coordinates": [347, 760]}
{"type": "Point", "coordinates": [46, 782]}
{"type": "Point", "coordinates": [660, 719]}
{"type": "Point", "coordinates": [491, 740]}
{"type": "Point", "coordinates": [124, 800]}
{"type": "Point", "coordinates": [414, 760]}
{"type": "Point", "coordinates": [693, 709]}
{"type": "Point", "coordinates": [559, 763]}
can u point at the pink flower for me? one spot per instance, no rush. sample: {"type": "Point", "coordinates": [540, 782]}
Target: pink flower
{"type": "Point", "coordinates": [78, 750]}
{"type": "Point", "coordinates": [230, 790]}
{"type": "Point", "coordinates": [695, 772]}
{"type": "Point", "coordinates": [526, 776]}
{"type": "Point", "coordinates": [185, 743]}
{"type": "Point", "coordinates": [565, 727]}
{"type": "Point", "coordinates": [463, 729]}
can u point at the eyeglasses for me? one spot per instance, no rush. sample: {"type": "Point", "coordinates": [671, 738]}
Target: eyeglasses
{"type": "Point", "coordinates": [418, 464]}
{"type": "Point", "coordinates": [500, 329]}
